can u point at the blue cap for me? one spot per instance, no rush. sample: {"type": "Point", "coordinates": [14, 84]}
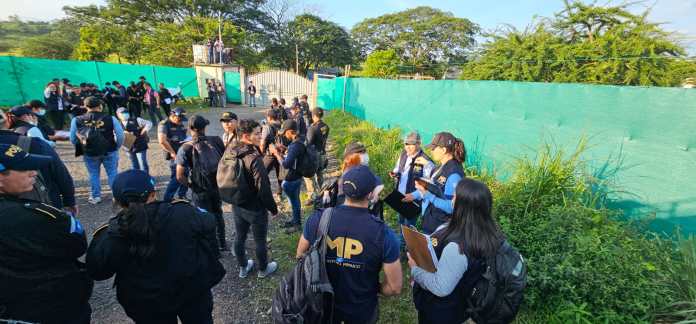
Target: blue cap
{"type": "Point", "coordinates": [20, 111]}
{"type": "Point", "coordinates": [358, 182]}
{"type": "Point", "coordinates": [132, 186]}
{"type": "Point", "coordinates": [12, 157]}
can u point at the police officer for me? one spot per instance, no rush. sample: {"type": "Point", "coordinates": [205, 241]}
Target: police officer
{"type": "Point", "coordinates": [135, 99]}
{"type": "Point", "coordinates": [436, 205]}
{"type": "Point", "coordinates": [171, 134]}
{"type": "Point", "coordinates": [164, 254]}
{"type": "Point", "coordinates": [317, 135]}
{"type": "Point", "coordinates": [25, 122]}
{"type": "Point", "coordinates": [42, 279]}
{"type": "Point", "coordinates": [359, 247]}
{"type": "Point", "coordinates": [230, 137]}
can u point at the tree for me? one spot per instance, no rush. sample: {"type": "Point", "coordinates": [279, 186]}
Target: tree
{"type": "Point", "coordinates": [421, 35]}
{"type": "Point", "coordinates": [381, 64]}
{"type": "Point", "coordinates": [584, 43]}
{"type": "Point", "coordinates": [47, 46]}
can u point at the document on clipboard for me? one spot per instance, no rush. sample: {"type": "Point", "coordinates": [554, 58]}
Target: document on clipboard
{"type": "Point", "coordinates": [430, 186]}
{"type": "Point", "coordinates": [409, 210]}
{"type": "Point", "coordinates": [420, 247]}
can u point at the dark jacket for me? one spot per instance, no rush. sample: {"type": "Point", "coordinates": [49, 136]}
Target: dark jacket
{"type": "Point", "coordinates": [256, 172]}
{"type": "Point", "coordinates": [41, 278]}
{"type": "Point", "coordinates": [104, 123]}
{"type": "Point", "coordinates": [296, 150]}
{"type": "Point", "coordinates": [58, 179]}
{"type": "Point", "coordinates": [317, 135]}
{"type": "Point", "coordinates": [184, 265]}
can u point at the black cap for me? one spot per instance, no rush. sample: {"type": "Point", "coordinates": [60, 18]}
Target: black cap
{"type": "Point", "coordinates": [198, 122]}
{"type": "Point", "coordinates": [443, 139]}
{"type": "Point", "coordinates": [82, 84]}
{"type": "Point", "coordinates": [317, 111]}
{"type": "Point", "coordinates": [141, 77]}
{"type": "Point", "coordinates": [358, 182]}
{"type": "Point", "coordinates": [132, 185]}
{"type": "Point", "coordinates": [36, 104]}
{"type": "Point", "coordinates": [288, 125]}
{"type": "Point", "coordinates": [107, 84]}
{"type": "Point", "coordinates": [21, 111]}
{"type": "Point", "coordinates": [12, 157]}
{"type": "Point", "coordinates": [227, 116]}
{"type": "Point", "coordinates": [66, 80]}
{"type": "Point", "coordinates": [354, 147]}
{"type": "Point", "coordinates": [178, 111]}
{"type": "Point", "coordinates": [92, 102]}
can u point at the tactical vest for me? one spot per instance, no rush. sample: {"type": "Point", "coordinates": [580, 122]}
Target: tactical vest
{"type": "Point", "coordinates": [176, 134]}
{"type": "Point", "coordinates": [415, 170]}
{"type": "Point", "coordinates": [104, 123]}
{"type": "Point", "coordinates": [433, 217]}
{"type": "Point", "coordinates": [140, 143]}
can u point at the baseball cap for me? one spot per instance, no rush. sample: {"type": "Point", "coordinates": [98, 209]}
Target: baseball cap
{"type": "Point", "coordinates": [412, 138]}
{"type": "Point", "coordinates": [443, 139]}
{"type": "Point", "coordinates": [21, 111]}
{"type": "Point", "coordinates": [318, 112]}
{"type": "Point", "coordinates": [198, 122]}
{"type": "Point", "coordinates": [227, 116]}
{"type": "Point", "coordinates": [121, 110]}
{"type": "Point", "coordinates": [132, 185]}
{"type": "Point", "coordinates": [354, 147]}
{"type": "Point", "coordinates": [12, 157]}
{"type": "Point", "coordinates": [288, 125]}
{"type": "Point", "coordinates": [358, 182]}
{"type": "Point", "coordinates": [36, 104]}
{"type": "Point", "coordinates": [178, 111]}
{"type": "Point", "coordinates": [92, 102]}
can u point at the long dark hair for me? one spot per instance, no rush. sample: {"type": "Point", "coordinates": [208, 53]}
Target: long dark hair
{"type": "Point", "coordinates": [139, 227]}
{"type": "Point", "coordinates": [472, 225]}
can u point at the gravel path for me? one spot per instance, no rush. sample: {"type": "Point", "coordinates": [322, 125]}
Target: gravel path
{"type": "Point", "coordinates": [231, 296]}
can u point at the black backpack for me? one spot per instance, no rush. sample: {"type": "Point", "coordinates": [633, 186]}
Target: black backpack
{"type": "Point", "coordinates": [498, 293]}
{"type": "Point", "coordinates": [232, 179]}
{"type": "Point", "coordinates": [309, 162]}
{"type": "Point", "coordinates": [93, 141]}
{"type": "Point", "coordinates": [205, 158]}
{"type": "Point", "coordinates": [305, 294]}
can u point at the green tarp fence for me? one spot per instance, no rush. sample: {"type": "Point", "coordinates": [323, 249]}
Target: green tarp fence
{"type": "Point", "coordinates": [232, 87]}
{"type": "Point", "coordinates": [649, 133]}
{"type": "Point", "coordinates": [23, 78]}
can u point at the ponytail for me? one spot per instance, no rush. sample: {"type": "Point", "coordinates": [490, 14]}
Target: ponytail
{"type": "Point", "coordinates": [139, 229]}
{"type": "Point", "coordinates": [459, 151]}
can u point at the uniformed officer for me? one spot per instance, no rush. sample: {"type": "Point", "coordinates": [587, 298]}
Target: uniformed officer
{"type": "Point", "coordinates": [171, 134]}
{"type": "Point", "coordinates": [164, 254]}
{"type": "Point", "coordinates": [230, 137]}
{"type": "Point", "coordinates": [317, 135]}
{"type": "Point", "coordinates": [41, 278]}
{"type": "Point", "coordinates": [450, 153]}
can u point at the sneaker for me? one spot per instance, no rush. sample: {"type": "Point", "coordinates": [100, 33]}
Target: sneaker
{"type": "Point", "coordinates": [94, 200]}
{"type": "Point", "coordinates": [244, 272]}
{"type": "Point", "coordinates": [270, 269]}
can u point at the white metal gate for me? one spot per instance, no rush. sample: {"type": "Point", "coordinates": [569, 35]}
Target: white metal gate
{"type": "Point", "coordinates": [279, 84]}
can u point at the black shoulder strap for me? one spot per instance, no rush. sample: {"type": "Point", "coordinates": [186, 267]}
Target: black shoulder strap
{"type": "Point", "coordinates": [324, 222]}
{"type": "Point", "coordinates": [24, 142]}
{"type": "Point", "coordinates": [402, 161]}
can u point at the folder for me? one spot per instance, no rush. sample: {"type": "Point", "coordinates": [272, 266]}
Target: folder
{"type": "Point", "coordinates": [409, 210]}
{"type": "Point", "coordinates": [431, 186]}
{"type": "Point", "coordinates": [420, 247]}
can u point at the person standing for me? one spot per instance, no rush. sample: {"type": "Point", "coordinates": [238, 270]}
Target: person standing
{"type": "Point", "coordinates": [251, 90]}
{"type": "Point", "coordinates": [306, 111]}
{"type": "Point", "coordinates": [119, 95]}
{"type": "Point", "coordinates": [253, 212]}
{"type": "Point", "coordinates": [97, 136]}
{"type": "Point", "coordinates": [139, 128]}
{"type": "Point", "coordinates": [108, 98]}
{"type": "Point", "coordinates": [230, 137]}
{"type": "Point", "coordinates": [201, 156]}
{"type": "Point", "coordinates": [216, 51]}
{"type": "Point", "coordinates": [171, 134]}
{"type": "Point", "coordinates": [42, 278]}
{"type": "Point", "coordinates": [135, 99]}
{"type": "Point", "coordinates": [269, 133]}
{"type": "Point", "coordinates": [152, 101]}
{"type": "Point", "coordinates": [24, 122]}
{"type": "Point", "coordinates": [297, 116]}
{"type": "Point", "coordinates": [317, 135]}
{"type": "Point", "coordinates": [220, 91]}
{"type": "Point", "coordinates": [163, 254]}
{"type": "Point", "coordinates": [450, 153]}
{"type": "Point", "coordinates": [209, 47]}
{"type": "Point", "coordinates": [165, 99]}
{"type": "Point", "coordinates": [212, 93]}
{"type": "Point", "coordinates": [55, 105]}
{"type": "Point", "coordinates": [39, 109]}
{"type": "Point", "coordinates": [293, 180]}
{"type": "Point", "coordinates": [360, 246]}
{"type": "Point", "coordinates": [407, 170]}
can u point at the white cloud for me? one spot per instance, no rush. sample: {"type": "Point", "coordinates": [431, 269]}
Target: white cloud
{"type": "Point", "coordinates": [40, 9]}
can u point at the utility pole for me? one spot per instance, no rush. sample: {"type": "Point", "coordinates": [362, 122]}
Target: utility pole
{"type": "Point", "coordinates": [297, 59]}
{"type": "Point", "coordinates": [220, 35]}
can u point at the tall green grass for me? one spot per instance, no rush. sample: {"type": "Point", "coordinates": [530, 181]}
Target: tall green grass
{"type": "Point", "coordinates": [585, 265]}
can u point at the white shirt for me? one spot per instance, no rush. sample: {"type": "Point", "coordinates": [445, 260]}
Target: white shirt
{"type": "Point", "coordinates": [36, 132]}
{"type": "Point", "coordinates": [427, 171]}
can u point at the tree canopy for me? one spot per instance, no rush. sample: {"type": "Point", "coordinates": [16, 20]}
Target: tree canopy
{"type": "Point", "coordinates": [381, 64]}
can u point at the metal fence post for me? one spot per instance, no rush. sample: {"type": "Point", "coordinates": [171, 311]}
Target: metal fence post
{"type": "Point", "coordinates": [98, 74]}
{"type": "Point", "coordinates": [16, 77]}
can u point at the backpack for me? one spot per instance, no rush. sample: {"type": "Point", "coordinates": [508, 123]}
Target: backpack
{"type": "Point", "coordinates": [93, 141]}
{"type": "Point", "coordinates": [305, 293]}
{"type": "Point", "coordinates": [498, 293]}
{"type": "Point", "coordinates": [232, 179]}
{"type": "Point", "coordinates": [309, 162]}
{"type": "Point", "coordinates": [205, 158]}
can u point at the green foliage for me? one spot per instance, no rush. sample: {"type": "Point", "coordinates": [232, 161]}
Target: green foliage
{"type": "Point", "coordinates": [683, 281]}
{"type": "Point", "coordinates": [47, 46]}
{"type": "Point", "coordinates": [419, 36]}
{"type": "Point", "coordinates": [584, 43]}
{"type": "Point", "coordinates": [585, 266]}
{"type": "Point", "coordinates": [381, 64]}
{"type": "Point", "coordinates": [13, 30]}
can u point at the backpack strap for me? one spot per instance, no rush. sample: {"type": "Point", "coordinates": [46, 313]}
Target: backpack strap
{"type": "Point", "coordinates": [24, 142]}
{"type": "Point", "coordinates": [324, 223]}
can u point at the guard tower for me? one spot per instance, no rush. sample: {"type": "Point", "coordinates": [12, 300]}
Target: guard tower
{"type": "Point", "coordinates": [210, 65]}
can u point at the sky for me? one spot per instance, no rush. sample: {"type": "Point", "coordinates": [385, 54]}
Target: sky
{"type": "Point", "coordinates": [678, 15]}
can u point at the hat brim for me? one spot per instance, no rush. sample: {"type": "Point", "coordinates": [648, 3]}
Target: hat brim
{"type": "Point", "coordinates": [227, 119]}
{"type": "Point", "coordinates": [431, 146]}
{"type": "Point", "coordinates": [31, 162]}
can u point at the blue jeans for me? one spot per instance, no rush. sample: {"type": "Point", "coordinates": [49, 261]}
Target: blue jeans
{"type": "Point", "coordinates": [174, 186]}
{"type": "Point", "coordinates": [93, 164]}
{"type": "Point", "coordinates": [252, 100]}
{"type": "Point", "coordinates": [408, 222]}
{"type": "Point", "coordinates": [292, 190]}
{"type": "Point", "coordinates": [139, 161]}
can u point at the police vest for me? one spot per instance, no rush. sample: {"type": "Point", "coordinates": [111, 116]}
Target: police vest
{"type": "Point", "coordinates": [140, 143]}
{"type": "Point", "coordinates": [176, 134]}
{"type": "Point", "coordinates": [102, 121]}
{"type": "Point", "coordinates": [433, 216]}
{"type": "Point", "coordinates": [415, 170]}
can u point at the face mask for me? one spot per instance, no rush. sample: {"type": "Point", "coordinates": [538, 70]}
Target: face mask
{"type": "Point", "coordinates": [364, 159]}
{"type": "Point", "coordinates": [41, 112]}
{"type": "Point", "coordinates": [125, 116]}
{"type": "Point", "coordinates": [33, 122]}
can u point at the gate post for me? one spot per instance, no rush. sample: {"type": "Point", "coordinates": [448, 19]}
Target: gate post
{"type": "Point", "coordinates": [243, 85]}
